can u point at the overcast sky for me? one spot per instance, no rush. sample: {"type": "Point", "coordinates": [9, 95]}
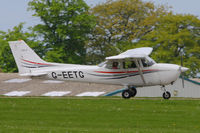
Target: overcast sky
{"type": "Point", "coordinates": [12, 12]}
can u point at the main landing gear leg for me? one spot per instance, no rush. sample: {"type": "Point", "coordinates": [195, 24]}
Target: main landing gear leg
{"type": "Point", "coordinates": [129, 92]}
{"type": "Point", "coordinates": [166, 94]}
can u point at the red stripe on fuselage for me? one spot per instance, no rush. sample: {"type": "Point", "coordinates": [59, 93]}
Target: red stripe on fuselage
{"type": "Point", "coordinates": [125, 71]}
{"type": "Point", "coordinates": [36, 62]}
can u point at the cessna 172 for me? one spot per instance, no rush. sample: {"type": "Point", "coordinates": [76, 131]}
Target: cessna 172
{"type": "Point", "coordinates": [133, 68]}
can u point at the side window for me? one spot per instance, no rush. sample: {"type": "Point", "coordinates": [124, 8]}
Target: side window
{"type": "Point", "coordinates": [115, 65]}
{"type": "Point", "coordinates": [129, 64]}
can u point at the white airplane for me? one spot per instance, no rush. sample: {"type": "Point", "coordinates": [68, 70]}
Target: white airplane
{"type": "Point", "coordinates": [133, 68]}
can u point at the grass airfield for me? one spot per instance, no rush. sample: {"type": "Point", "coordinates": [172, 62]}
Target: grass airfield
{"type": "Point", "coordinates": [98, 115]}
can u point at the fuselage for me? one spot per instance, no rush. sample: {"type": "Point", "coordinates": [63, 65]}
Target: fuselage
{"type": "Point", "coordinates": [157, 74]}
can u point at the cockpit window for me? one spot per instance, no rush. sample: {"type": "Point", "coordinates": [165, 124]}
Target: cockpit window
{"type": "Point", "coordinates": [112, 64]}
{"type": "Point", "coordinates": [147, 62]}
{"type": "Point", "coordinates": [129, 64]}
{"type": "Point", "coordinates": [144, 63]}
{"type": "Point", "coordinates": [126, 64]}
{"type": "Point", "coordinates": [115, 65]}
{"type": "Point", "coordinates": [150, 61]}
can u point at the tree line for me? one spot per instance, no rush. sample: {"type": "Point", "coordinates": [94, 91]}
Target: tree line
{"type": "Point", "coordinates": [72, 32]}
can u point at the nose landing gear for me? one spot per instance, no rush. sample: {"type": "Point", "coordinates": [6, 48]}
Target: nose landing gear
{"type": "Point", "coordinates": [130, 92]}
{"type": "Point", "coordinates": [166, 94]}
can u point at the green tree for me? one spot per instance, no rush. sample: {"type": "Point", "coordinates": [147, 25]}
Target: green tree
{"type": "Point", "coordinates": [7, 63]}
{"type": "Point", "coordinates": [65, 27]}
{"type": "Point", "coordinates": [173, 36]}
{"type": "Point", "coordinates": [119, 23]}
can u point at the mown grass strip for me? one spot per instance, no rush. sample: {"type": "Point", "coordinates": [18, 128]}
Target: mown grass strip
{"type": "Point", "coordinates": [98, 115]}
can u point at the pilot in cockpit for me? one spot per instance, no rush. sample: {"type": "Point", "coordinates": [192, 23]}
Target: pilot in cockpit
{"type": "Point", "coordinates": [115, 65]}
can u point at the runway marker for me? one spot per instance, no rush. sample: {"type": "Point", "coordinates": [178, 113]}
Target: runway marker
{"type": "Point", "coordinates": [17, 93]}
{"type": "Point", "coordinates": [52, 81]}
{"type": "Point", "coordinates": [17, 80]}
{"type": "Point", "coordinates": [90, 94]}
{"type": "Point", "coordinates": [56, 93]}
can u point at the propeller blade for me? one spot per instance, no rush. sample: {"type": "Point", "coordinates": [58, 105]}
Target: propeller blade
{"type": "Point", "coordinates": [182, 69]}
{"type": "Point", "coordinates": [182, 60]}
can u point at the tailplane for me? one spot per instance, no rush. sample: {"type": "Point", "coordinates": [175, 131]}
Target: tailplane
{"type": "Point", "coordinates": [26, 59]}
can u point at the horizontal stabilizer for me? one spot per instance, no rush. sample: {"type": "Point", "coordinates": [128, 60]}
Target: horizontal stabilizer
{"type": "Point", "coordinates": [33, 74]}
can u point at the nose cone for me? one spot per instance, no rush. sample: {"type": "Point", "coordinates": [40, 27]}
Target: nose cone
{"type": "Point", "coordinates": [184, 69]}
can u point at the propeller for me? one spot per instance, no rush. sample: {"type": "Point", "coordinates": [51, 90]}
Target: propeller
{"type": "Point", "coordinates": [182, 69]}
{"type": "Point", "coordinates": [182, 77]}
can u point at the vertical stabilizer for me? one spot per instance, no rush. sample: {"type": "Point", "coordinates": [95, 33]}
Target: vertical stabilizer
{"type": "Point", "coordinates": [26, 59]}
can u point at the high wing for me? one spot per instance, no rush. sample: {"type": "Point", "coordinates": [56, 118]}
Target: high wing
{"type": "Point", "coordinates": [137, 53]}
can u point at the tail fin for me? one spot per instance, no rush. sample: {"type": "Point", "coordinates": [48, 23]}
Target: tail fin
{"type": "Point", "coordinates": [26, 59]}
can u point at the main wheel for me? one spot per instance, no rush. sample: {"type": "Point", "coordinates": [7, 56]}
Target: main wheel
{"type": "Point", "coordinates": [166, 95]}
{"type": "Point", "coordinates": [133, 91]}
{"type": "Point", "coordinates": [126, 94]}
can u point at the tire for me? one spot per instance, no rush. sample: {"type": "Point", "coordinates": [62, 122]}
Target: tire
{"type": "Point", "coordinates": [126, 94]}
{"type": "Point", "coordinates": [166, 95]}
{"type": "Point", "coordinates": [133, 91]}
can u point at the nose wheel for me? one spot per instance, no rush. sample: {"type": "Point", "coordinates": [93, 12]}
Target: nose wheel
{"type": "Point", "coordinates": [166, 94]}
{"type": "Point", "coordinates": [128, 93]}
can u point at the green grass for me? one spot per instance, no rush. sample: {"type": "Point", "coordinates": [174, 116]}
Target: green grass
{"type": "Point", "coordinates": [98, 115]}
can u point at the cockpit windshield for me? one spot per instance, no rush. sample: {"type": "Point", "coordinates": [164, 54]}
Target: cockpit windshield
{"type": "Point", "coordinates": [149, 61]}
{"type": "Point", "coordinates": [102, 64]}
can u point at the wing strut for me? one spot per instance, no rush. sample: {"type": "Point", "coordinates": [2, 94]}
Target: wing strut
{"type": "Point", "coordinates": [140, 71]}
